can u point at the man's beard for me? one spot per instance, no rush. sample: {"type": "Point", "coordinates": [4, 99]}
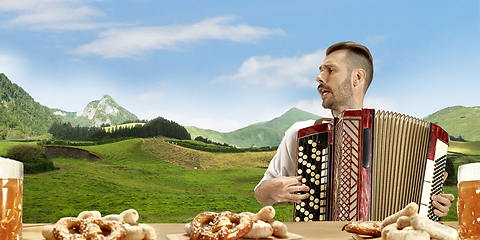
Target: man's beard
{"type": "Point", "coordinates": [343, 97]}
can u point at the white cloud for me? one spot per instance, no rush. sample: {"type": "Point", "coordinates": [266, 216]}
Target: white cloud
{"type": "Point", "coordinates": [136, 41]}
{"type": "Point", "coordinates": [279, 72]}
{"type": "Point", "coordinates": [13, 67]}
{"type": "Point", "coordinates": [312, 106]}
{"type": "Point", "coordinates": [53, 15]}
{"type": "Point", "coordinates": [380, 103]}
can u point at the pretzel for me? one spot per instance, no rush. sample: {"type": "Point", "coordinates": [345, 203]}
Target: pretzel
{"type": "Point", "coordinates": [371, 228]}
{"type": "Point", "coordinates": [94, 228]}
{"type": "Point", "coordinates": [68, 228]}
{"type": "Point", "coordinates": [243, 225]}
{"type": "Point", "coordinates": [219, 226]}
{"type": "Point", "coordinates": [201, 226]}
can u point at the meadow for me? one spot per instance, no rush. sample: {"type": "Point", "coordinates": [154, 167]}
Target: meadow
{"type": "Point", "coordinates": [162, 181]}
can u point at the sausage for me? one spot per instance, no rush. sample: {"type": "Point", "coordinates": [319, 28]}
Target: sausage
{"type": "Point", "coordinates": [435, 229]}
{"type": "Point", "coordinates": [410, 210]}
{"type": "Point", "coordinates": [403, 221]}
{"type": "Point", "coordinates": [407, 235]}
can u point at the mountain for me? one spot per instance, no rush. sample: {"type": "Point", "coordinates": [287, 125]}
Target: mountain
{"type": "Point", "coordinates": [261, 134]}
{"type": "Point", "coordinates": [458, 121]}
{"type": "Point", "coordinates": [290, 117]}
{"type": "Point", "coordinates": [20, 116]}
{"type": "Point", "coordinates": [96, 113]}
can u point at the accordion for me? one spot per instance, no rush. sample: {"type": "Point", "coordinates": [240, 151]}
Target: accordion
{"type": "Point", "coordinates": [365, 165]}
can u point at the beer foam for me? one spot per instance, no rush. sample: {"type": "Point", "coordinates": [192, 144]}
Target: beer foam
{"type": "Point", "coordinates": [10, 168]}
{"type": "Point", "coordinates": [469, 172]}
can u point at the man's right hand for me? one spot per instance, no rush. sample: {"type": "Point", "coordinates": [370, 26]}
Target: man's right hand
{"type": "Point", "coordinates": [281, 189]}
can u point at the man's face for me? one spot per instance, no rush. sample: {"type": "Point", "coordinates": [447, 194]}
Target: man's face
{"type": "Point", "coordinates": [334, 82]}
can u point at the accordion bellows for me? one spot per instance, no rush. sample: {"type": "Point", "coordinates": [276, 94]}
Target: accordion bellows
{"type": "Point", "coordinates": [367, 164]}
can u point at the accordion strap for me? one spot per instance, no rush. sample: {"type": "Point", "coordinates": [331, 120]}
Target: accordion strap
{"type": "Point", "coordinates": [322, 120]}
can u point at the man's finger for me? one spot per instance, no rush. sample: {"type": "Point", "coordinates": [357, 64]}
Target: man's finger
{"type": "Point", "coordinates": [298, 189]}
{"type": "Point", "coordinates": [450, 197]}
{"type": "Point", "coordinates": [298, 197]}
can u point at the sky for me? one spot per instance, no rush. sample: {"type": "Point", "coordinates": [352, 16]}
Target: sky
{"type": "Point", "coordinates": [224, 65]}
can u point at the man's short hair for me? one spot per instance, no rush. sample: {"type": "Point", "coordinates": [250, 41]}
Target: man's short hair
{"type": "Point", "coordinates": [358, 57]}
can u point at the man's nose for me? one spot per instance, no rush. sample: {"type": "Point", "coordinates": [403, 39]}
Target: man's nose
{"type": "Point", "coordinates": [319, 78]}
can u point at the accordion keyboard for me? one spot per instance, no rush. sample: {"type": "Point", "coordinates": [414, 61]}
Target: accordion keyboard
{"type": "Point", "coordinates": [312, 165]}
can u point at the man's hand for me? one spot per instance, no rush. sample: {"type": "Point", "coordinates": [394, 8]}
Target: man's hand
{"type": "Point", "coordinates": [442, 202]}
{"type": "Point", "coordinates": [281, 189]}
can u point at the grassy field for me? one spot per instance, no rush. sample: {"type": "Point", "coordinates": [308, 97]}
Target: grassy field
{"type": "Point", "coordinates": [146, 175]}
{"type": "Point", "coordinates": [130, 177]}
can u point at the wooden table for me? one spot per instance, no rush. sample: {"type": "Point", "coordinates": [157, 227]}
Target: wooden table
{"type": "Point", "coordinates": [309, 230]}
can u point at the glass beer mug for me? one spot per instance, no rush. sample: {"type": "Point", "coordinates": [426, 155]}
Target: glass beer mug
{"type": "Point", "coordinates": [11, 178]}
{"type": "Point", "coordinates": [468, 204]}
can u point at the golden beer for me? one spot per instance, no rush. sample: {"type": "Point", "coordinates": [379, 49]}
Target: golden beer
{"type": "Point", "coordinates": [468, 202]}
{"type": "Point", "coordinates": [11, 209]}
{"type": "Point", "coordinates": [11, 180]}
{"type": "Point", "coordinates": [469, 209]}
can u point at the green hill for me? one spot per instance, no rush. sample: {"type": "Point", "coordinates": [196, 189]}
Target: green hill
{"type": "Point", "coordinates": [20, 116]}
{"type": "Point", "coordinates": [458, 121]}
{"type": "Point", "coordinates": [262, 134]}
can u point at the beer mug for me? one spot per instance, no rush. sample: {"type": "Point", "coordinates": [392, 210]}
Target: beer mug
{"type": "Point", "coordinates": [468, 204]}
{"type": "Point", "coordinates": [11, 177]}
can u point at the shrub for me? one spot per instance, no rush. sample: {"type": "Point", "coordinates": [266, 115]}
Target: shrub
{"type": "Point", "coordinates": [32, 156]}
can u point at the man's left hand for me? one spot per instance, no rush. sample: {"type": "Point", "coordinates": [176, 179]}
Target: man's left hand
{"type": "Point", "coordinates": [442, 203]}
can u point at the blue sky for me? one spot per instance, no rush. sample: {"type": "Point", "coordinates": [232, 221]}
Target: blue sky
{"type": "Point", "coordinates": [223, 65]}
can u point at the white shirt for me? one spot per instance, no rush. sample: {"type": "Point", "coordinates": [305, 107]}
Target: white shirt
{"type": "Point", "coordinates": [284, 161]}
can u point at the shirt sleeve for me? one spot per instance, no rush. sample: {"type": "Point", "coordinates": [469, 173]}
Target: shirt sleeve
{"type": "Point", "coordinates": [284, 161]}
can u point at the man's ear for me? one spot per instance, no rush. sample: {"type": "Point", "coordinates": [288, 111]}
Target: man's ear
{"type": "Point", "coordinates": [358, 77]}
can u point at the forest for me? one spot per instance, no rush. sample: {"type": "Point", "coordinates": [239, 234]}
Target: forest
{"type": "Point", "coordinates": [156, 127]}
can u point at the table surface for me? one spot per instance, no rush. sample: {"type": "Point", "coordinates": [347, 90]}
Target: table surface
{"type": "Point", "coordinates": [308, 230]}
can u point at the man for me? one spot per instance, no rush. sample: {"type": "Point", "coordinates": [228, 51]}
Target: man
{"type": "Point", "coordinates": [345, 75]}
